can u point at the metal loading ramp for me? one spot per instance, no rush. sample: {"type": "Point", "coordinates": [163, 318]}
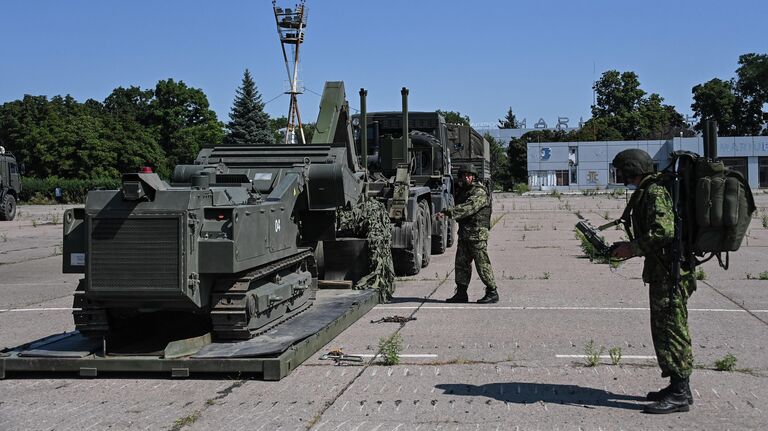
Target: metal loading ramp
{"type": "Point", "coordinates": [272, 355]}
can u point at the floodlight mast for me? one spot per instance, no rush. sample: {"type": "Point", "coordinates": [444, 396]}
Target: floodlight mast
{"type": "Point", "coordinates": [291, 26]}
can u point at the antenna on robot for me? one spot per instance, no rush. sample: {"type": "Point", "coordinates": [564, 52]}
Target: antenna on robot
{"type": "Point", "coordinates": [291, 26]}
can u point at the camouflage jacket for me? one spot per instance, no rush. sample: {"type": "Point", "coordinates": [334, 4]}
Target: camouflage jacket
{"type": "Point", "coordinates": [653, 225]}
{"type": "Point", "coordinates": [472, 212]}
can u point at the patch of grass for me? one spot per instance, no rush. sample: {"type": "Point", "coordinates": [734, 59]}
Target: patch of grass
{"type": "Point", "coordinates": [700, 274]}
{"type": "Point", "coordinates": [593, 353]}
{"type": "Point", "coordinates": [590, 251]}
{"type": "Point", "coordinates": [390, 349]}
{"type": "Point", "coordinates": [728, 363]}
{"type": "Point", "coordinates": [615, 353]}
{"type": "Point", "coordinates": [520, 188]}
{"type": "Point", "coordinates": [589, 192]}
{"type": "Point", "coordinates": [4, 237]}
{"type": "Point", "coordinates": [764, 219]}
{"type": "Point", "coordinates": [763, 275]}
{"type": "Point", "coordinates": [556, 194]}
{"type": "Point", "coordinates": [546, 275]}
{"type": "Point", "coordinates": [186, 421]}
{"type": "Point", "coordinates": [55, 218]}
{"type": "Point", "coordinates": [34, 223]}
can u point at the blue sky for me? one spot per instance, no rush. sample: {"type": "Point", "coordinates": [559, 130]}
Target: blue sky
{"type": "Point", "coordinates": [478, 58]}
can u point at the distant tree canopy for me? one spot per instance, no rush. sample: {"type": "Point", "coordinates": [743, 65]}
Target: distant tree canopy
{"type": "Point", "coordinates": [248, 124]}
{"type": "Point", "coordinates": [64, 138]}
{"type": "Point", "coordinates": [454, 117]}
{"type": "Point", "coordinates": [509, 121]}
{"type": "Point", "coordinates": [737, 104]}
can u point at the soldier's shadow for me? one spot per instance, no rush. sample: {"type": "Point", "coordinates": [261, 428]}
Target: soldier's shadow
{"type": "Point", "coordinates": [527, 393]}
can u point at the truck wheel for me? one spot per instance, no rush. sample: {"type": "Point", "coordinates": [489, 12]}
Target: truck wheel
{"type": "Point", "coordinates": [440, 239]}
{"type": "Point", "coordinates": [8, 207]}
{"type": "Point", "coordinates": [451, 230]}
{"type": "Point", "coordinates": [407, 261]}
{"type": "Point", "coordinates": [426, 233]}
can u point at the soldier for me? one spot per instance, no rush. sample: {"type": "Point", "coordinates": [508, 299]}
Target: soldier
{"type": "Point", "coordinates": [653, 225]}
{"type": "Point", "coordinates": [473, 212]}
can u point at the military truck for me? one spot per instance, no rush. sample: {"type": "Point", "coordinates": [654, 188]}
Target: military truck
{"type": "Point", "coordinates": [407, 157]}
{"type": "Point", "coordinates": [10, 185]}
{"type": "Point", "coordinates": [467, 146]}
{"type": "Point", "coordinates": [233, 244]}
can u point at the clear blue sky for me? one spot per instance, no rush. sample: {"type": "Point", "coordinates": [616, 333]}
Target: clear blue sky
{"type": "Point", "coordinates": [474, 57]}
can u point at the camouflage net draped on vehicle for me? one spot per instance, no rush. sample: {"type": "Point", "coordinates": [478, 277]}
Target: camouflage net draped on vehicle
{"type": "Point", "coordinates": [370, 220]}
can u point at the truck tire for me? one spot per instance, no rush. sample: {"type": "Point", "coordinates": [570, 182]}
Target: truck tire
{"type": "Point", "coordinates": [440, 239]}
{"type": "Point", "coordinates": [407, 261]}
{"type": "Point", "coordinates": [8, 207]}
{"type": "Point", "coordinates": [451, 230]}
{"type": "Point", "coordinates": [426, 232]}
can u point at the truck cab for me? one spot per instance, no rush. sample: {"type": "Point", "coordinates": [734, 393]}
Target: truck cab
{"type": "Point", "coordinates": [10, 185]}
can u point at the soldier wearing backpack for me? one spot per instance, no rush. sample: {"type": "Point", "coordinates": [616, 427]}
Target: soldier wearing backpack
{"type": "Point", "coordinates": [653, 229]}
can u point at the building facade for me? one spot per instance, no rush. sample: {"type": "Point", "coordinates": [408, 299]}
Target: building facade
{"type": "Point", "coordinates": [587, 165]}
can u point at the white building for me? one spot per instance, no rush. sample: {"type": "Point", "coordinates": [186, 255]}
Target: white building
{"type": "Point", "coordinates": [587, 165]}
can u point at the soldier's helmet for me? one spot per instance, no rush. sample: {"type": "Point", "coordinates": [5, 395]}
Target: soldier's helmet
{"type": "Point", "coordinates": [468, 169]}
{"type": "Point", "coordinates": [633, 162]}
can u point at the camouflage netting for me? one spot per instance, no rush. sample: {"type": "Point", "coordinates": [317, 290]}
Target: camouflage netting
{"type": "Point", "coordinates": [370, 220]}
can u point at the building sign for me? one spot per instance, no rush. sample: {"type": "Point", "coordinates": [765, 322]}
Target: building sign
{"type": "Point", "coordinates": [545, 153]}
{"type": "Point", "coordinates": [592, 177]}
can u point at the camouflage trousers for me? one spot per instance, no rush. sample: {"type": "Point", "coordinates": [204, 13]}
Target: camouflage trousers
{"type": "Point", "coordinates": [669, 327]}
{"type": "Point", "coordinates": [477, 251]}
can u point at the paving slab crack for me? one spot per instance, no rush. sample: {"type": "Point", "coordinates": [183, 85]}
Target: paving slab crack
{"type": "Point", "coordinates": [191, 418]}
{"type": "Point", "coordinates": [368, 364]}
{"type": "Point", "coordinates": [734, 302]}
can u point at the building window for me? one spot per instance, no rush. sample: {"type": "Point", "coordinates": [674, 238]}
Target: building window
{"type": "Point", "coordinates": [738, 164]}
{"type": "Point", "coordinates": [562, 178]}
{"type": "Point", "coordinates": [762, 163]}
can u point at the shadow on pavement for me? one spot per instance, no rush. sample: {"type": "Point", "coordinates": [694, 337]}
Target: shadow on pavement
{"type": "Point", "coordinates": [527, 393]}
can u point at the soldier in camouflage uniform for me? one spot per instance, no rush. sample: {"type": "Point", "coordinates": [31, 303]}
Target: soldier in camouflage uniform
{"type": "Point", "coordinates": [473, 212]}
{"type": "Point", "coordinates": [653, 225]}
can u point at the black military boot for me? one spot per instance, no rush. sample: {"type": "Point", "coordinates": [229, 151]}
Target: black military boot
{"type": "Point", "coordinates": [491, 297]}
{"type": "Point", "coordinates": [674, 400]}
{"type": "Point", "coordinates": [460, 296]}
{"type": "Point", "coordinates": [658, 395]}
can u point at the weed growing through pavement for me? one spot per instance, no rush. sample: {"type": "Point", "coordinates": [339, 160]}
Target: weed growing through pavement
{"type": "Point", "coordinates": [700, 274]}
{"type": "Point", "coordinates": [55, 218]}
{"type": "Point", "coordinates": [763, 275]}
{"type": "Point", "coordinates": [4, 237]}
{"type": "Point", "coordinates": [578, 213]}
{"type": "Point", "coordinates": [615, 353]}
{"type": "Point", "coordinates": [728, 363]}
{"type": "Point", "coordinates": [34, 223]}
{"type": "Point", "coordinates": [606, 215]}
{"type": "Point", "coordinates": [390, 349]}
{"type": "Point", "coordinates": [593, 353]}
{"type": "Point", "coordinates": [765, 220]}
{"type": "Point", "coordinates": [557, 194]}
{"type": "Point", "coordinates": [546, 275]}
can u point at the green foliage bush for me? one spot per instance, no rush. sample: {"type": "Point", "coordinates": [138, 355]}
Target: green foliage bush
{"type": "Point", "coordinates": [41, 191]}
{"type": "Point", "coordinates": [521, 188]}
{"type": "Point", "coordinates": [728, 363]}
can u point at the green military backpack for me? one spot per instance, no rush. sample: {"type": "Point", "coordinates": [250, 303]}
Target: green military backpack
{"type": "Point", "coordinates": [714, 206]}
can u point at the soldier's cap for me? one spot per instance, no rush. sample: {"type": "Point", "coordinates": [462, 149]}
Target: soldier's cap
{"type": "Point", "coordinates": [468, 169]}
{"type": "Point", "coordinates": [633, 162]}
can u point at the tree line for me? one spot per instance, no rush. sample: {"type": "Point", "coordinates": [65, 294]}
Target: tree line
{"type": "Point", "coordinates": [624, 111]}
{"type": "Point", "coordinates": [168, 124]}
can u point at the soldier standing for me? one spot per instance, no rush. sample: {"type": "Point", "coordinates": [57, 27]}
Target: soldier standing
{"type": "Point", "coordinates": [653, 226]}
{"type": "Point", "coordinates": [473, 212]}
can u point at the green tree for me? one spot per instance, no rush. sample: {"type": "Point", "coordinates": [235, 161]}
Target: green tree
{"type": "Point", "coordinates": [499, 164]}
{"type": "Point", "coordinates": [622, 106]}
{"type": "Point", "coordinates": [454, 117]}
{"type": "Point", "coordinates": [248, 124]}
{"type": "Point", "coordinates": [737, 104]}
{"type": "Point", "coordinates": [277, 126]}
{"type": "Point", "coordinates": [509, 121]}
{"type": "Point", "coordinates": [184, 121]}
{"type": "Point", "coordinates": [716, 100]}
{"type": "Point", "coordinates": [517, 161]}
